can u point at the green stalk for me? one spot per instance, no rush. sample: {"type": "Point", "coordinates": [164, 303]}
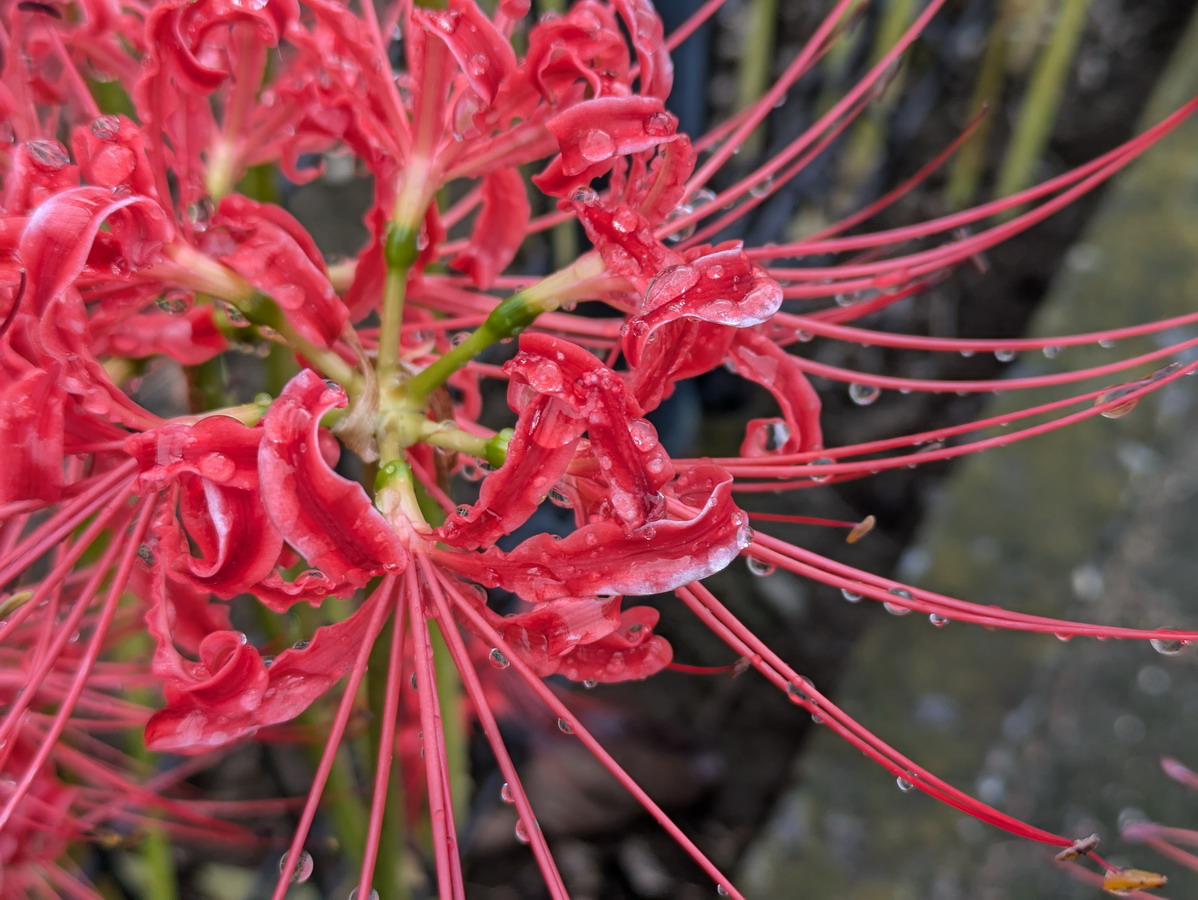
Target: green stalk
{"type": "Point", "coordinates": [399, 252]}
{"type": "Point", "coordinates": [966, 172]}
{"type": "Point", "coordinates": [1043, 99]}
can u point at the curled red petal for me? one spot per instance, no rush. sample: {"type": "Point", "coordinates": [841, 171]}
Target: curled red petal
{"type": "Point", "coordinates": [760, 360]}
{"type": "Point", "coordinates": [723, 287]}
{"type": "Point", "coordinates": [59, 235]}
{"type": "Point", "coordinates": [625, 240]}
{"type": "Point", "coordinates": [270, 249]}
{"type": "Point", "coordinates": [326, 518]}
{"type": "Point", "coordinates": [232, 691]}
{"type": "Point", "coordinates": [630, 652]}
{"type": "Point", "coordinates": [112, 152]}
{"type": "Point", "coordinates": [553, 629]}
{"type": "Point", "coordinates": [190, 339]}
{"type": "Point", "coordinates": [499, 230]}
{"type": "Point", "coordinates": [482, 52]}
{"type": "Point", "coordinates": [38, 169]}
{"type": "Point", "coordinates": [648, 37]}
{"type": "Point", "coordinates": [603, 558]}
{"type": "Point", "coordinates": [594, 133]}
{"type": "Point", "coordinates": [236, 545]}
{"type": "Point", "coordinates": [218, 448]}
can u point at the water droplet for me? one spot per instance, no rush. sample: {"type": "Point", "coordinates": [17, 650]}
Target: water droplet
{"type": "Point", "coordinates": [175, 302]}
{"type": "Point", "coordinates": [678, 212]}
{"type": "Point", "coordinates": [896, 609]}
{"type": "Point", "coordinates": [822, 461]}
{"type": "Point", "coordinates": [564, 727]}
{"type": "Point", "coordinates": [596, 145]}
{"type": "Point", "coordinates": [759, 568]}
{"type": "Point", "coordinates": [268, 661]}
{"type": "Point", "coordinates": [625, 220]}
{"type": "Point", "coordinates": [498, 660]}
{"type": "Point", "coordinates": [374, 895]}
{"type": "Point", "coordinates": [1168, 646]}
{"type": "Point", "coordinates": [300, 645]}
{"type": "Point", "coordinates": [762, 188]}
{"type": "Point", "coordinates": [521, 832]}
{"type": "Point", "coordinates": [48, 154]}
{"type": "Point", "coordinates": [106, 128]}
{"type": "Point", "coordinates": [505, 793]}
{"type": "Point", "coordinates": [590, 684]}
{"type": "Point", "coordinates": [1051, 352]}
{"type": "Point", "coordinates": [797, 691]}
{"type": "Point", "coordinates": [864, 394]}
{"type": "Point", "coordinates": [938, 620]}
{"type": "Point", "coordinates": [303, 868]}
{"type": "Point", "coordinates": [557, 498]}
{"type": "Point", "coordinates": [1121, 409]}
{"type": "Point", "coordinates": [850, 596]}
{"type": "Point", "coordinates": [721, 890]}
{"type": "Point", "coordinates": [235, 316]}
{"type": "Point", "coordinates": [146, 555]}
{"type": "Point", "coordinates": [1106, 343]}
{"type": "Point", "coordinates": [1005, 355]}
{"type": "Point", "coordinates": [658, 124]}
{"type": "Point", "coordinates": [904, 785]}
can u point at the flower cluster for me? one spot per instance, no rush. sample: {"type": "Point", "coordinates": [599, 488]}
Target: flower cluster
{"type": "Point", "coordinates": [138, 229]}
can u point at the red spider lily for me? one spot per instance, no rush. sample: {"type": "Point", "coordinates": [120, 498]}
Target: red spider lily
{"type": "Point", "coordinates": [135, 244]}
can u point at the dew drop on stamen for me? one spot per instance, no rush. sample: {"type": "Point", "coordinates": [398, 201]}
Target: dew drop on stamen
{"type": "Point", "coordinates": [303, 867]}
{"type": "Point", "coordinates": [1167, 646]}
{"type": "Point", "coordinates": [759, 568]}
{"type": "Point", "coordinates": [1051, 351]}
{"type": "Point", "coordinates": [1005, 356]}
{"type": "Point", "coordinates": [822, 461]}
{"type": "Point", "coordinates": [505, 793]}
{"type": "Point", "coordinates": [938, 620]}
{"type": "Point", "coordinates": [850, 596]}
{"type": "Point", "coordinates": [521, 832]}
{"type": "Point", "coordinates": [564, 727]}
{"type": "Point", "coordinates": [498, 660]}
{"type": "Point", "coordinates": [796, 691]}
{"type": "Point", "coordinates": [374, 895]}
{"type": "Point", "coordinates": [762, 188]}
{"type": "Point", "coordinates": [896, 609]}
{"type": "Point", "coordinates": [1119, 410]}
{"type": "Point", "coordinates": [1106, 343]}
{"type": "Point", "coordinates": [721, 890]}
{"type": "Point", "coordinates": [904, 785]}
{"type": "Point", "coordinates": [864, 394]}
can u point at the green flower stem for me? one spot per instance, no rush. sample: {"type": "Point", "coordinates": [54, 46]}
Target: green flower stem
{"type": "Point", "coordinates": [506, 320]}
{"type": "Point", "coordinates": [1044, 95]}
{"type": "Point", "coordinates": [399, 252]}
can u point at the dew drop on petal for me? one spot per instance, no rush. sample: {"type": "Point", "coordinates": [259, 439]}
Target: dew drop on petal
{"type": "Point", "coordinates": [625, 220]}
{"type": "Point", "coordinates": [658, 124]}
{"type": "Point", "coordinates": [590, 684]}
{"type": "Point", "coordinates": [759, 568]}
{"type": "Point", "coordinates": [498, 660]}
{"type": "Point", "coordinates": [904, 785]}
{"type": "Point", "coordinates": [596, 145]}
{"type": "Point", "coordinates": [864, 394]}
{"type": "Point", "coordinates": [303, 867]}
{"type": "Point", "coordinates": [300, 645]}
{"type": "Point", "coordinates": [146, 555]}
{"type": "Point", "coordinates": [175, 303]}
